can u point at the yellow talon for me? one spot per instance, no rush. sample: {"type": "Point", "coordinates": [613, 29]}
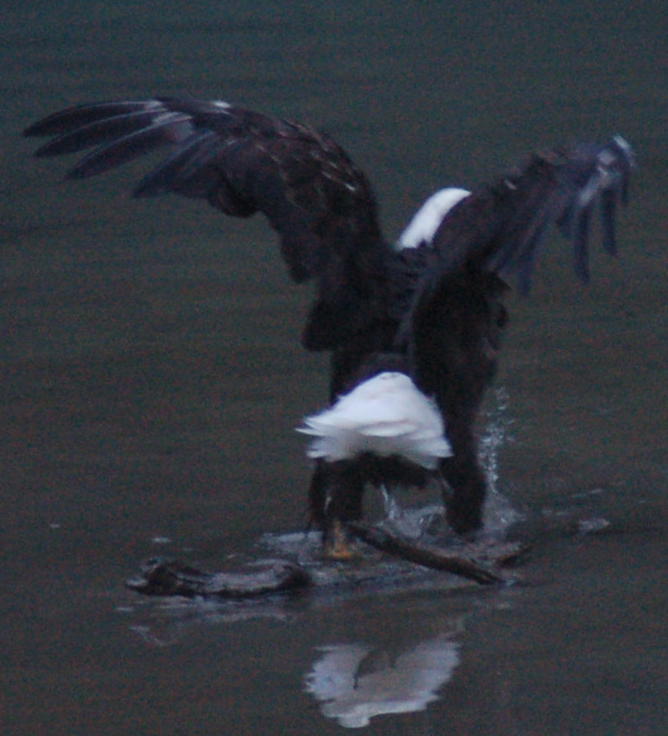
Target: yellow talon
{"type": "Point", "coordinates": [337, 546]}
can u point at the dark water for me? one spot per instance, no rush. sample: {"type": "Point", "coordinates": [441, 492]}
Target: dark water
{"type": "Point", "coordinates": [151, 378]}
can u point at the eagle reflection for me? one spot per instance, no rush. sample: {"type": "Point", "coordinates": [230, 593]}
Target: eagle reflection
{"type": "Point", "coordinates": [355, 682]}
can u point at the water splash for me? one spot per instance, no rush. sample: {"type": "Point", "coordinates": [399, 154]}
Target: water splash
{"type": "Point", "coordinates": [497, 432]}
{"type": "Point", "coordinates": [393, 511]}
{"type": "Point", "coordinates": [499, 513]}
{"type": "Point", "coordinates": [413, 522]}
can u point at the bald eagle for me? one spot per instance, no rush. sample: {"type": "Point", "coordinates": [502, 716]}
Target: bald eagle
{"type": "Point", "coordinates": [431, 303]}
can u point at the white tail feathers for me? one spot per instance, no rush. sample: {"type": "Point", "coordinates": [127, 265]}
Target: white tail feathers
{"type": "Point", "coordinates": [386, 415]}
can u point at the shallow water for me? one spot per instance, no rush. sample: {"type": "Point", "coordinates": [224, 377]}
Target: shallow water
{"type": "Point", "coordinates": [152, 378]}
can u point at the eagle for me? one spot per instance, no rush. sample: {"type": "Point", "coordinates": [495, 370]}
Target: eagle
{"type": "Point", "coordinates": [428, 306]}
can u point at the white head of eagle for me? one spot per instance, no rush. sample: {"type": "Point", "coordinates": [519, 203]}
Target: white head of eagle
{"type": "Point", "coordinates": [385, 415]}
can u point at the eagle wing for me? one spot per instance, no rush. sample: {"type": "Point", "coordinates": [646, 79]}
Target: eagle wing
{"type": "Point", "coordinates": [241, 161]}
{"type": "Point", "coordinates": [500, 227]}
{"type": "Point", "coordinates": [453, 326]}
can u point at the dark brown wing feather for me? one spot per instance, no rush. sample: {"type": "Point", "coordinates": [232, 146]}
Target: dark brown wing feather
{"type": "Point", "coordinates": [241, 161]}
{"type": "Point", "coordinates": [496, 232]}
{"type": "Point", "coordinates": [501, 226]}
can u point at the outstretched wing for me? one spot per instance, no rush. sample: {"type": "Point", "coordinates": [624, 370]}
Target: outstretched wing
{"type": "Point", "coordinates": [453, 327]}
{"type": "Point", "coordinates": [241, 161]}
{"type": "Point", "coordinates": [500, 227]}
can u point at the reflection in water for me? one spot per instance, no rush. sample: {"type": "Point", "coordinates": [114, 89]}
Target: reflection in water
{"type": "Point", "coordinates": [165, 622]}
{"type": "Point", "coordinates": [395, 672]}
{"type": "Point", "coordinates": [355, 682]}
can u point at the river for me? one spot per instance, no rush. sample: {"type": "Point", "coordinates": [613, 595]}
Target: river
{"type": "Point", "coordinates": [152, 378]}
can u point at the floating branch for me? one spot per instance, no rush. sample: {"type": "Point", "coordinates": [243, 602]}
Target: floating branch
{"type": "Point", "coordinates": [457, 563]}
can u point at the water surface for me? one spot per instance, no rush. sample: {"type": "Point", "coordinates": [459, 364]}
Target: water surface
{"type": "Point", "coordinates": [152, 377]}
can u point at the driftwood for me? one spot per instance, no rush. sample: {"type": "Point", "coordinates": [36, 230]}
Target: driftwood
{"type": "Point", "coordinates": [426, 555]}
{"type": "Point", "coordinates": [161, 576]}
